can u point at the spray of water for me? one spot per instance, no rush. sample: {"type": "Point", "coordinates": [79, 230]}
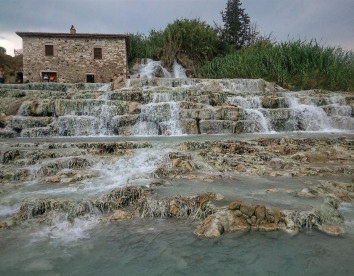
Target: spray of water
{"type": "Point", "coordinates": [253, 111]}
{"type": "Point", "coordinates": [162, 116]}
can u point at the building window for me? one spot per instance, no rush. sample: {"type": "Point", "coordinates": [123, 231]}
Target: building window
{"type": "Point", "coordinates": [90, 78]}
{"type": "Point", "coordinates": [97, 53]}
{"type": "Point", "coordinates": [49, 50]}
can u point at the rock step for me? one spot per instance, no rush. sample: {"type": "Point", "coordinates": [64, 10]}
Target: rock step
{"type": "Point", "coordinates": [341, 110]}
{"type": "Point", "coordinates": [53, 86]}
{"type": "Point", "coordinates": [342, 122]}
{"type": "Point", "coordinates": [242, 85]}
{"type": "Point", "coordinates": [90, 107]}
{"type": "Point", "coordinates": [32, 155]}
{"type": "Point", "coordinates": [19, 93]}
{"type": "Point", "coordinates": [211, 113]}
{"type": "Point", "coordinates": [18, 123]}
{"type": "Point", "coordinates": [7, 133]}
{"type": "Point", "coordinates": [37, 132]}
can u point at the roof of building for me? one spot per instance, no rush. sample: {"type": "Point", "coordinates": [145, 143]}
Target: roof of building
{"type": "Point", "coordinates": [84, 35]}
{"type": "Point", "coordinates": [76, 35]}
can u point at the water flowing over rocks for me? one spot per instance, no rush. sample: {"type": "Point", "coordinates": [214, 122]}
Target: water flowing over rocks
{"type": "Point", "coordinates": [168, 106]}
{"type": "Point", "coordinates": [64, 154]}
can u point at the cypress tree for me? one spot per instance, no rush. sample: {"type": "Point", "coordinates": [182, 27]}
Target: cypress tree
{"type": "Point", "coordinates": [236, 25]}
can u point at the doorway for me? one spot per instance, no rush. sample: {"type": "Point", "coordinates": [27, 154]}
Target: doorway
{"type": "Point", "coordinates": [90, 78]}
{"type": "Point", "coordinates": [49, 77]}
{"type": "Point", "coordinates": [19, 77]}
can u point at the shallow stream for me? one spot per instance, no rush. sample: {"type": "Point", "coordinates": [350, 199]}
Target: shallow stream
{"type": "Point", "coordinates": [91, 246]}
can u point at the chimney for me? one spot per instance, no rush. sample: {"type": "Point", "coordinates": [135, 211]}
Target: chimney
{"type": "Point", "coordinates": [72, 30]}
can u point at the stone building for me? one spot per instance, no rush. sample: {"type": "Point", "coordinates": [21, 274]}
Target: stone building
{"type": "Point", "coordinates": [73, 57]}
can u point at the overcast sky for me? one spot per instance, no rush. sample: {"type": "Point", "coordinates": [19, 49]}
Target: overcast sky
{"type": "Point", "coordinates": [330, 21]}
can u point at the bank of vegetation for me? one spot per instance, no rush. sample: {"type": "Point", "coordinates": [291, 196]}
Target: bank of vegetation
{"type": "Point", "coordinates": [236, 49]}
{"type": "Point", "coordinates": [10, 65]}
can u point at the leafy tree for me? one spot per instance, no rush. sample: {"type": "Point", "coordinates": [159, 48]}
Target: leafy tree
{"type": "Point", "coordinates": [2, 50]}
{"type": "Point", "coordinates": [191, 41]}
{"type": "Point", "coordinates": [192, 38]}
{"type": "Point", "coordinates": [236, 28]}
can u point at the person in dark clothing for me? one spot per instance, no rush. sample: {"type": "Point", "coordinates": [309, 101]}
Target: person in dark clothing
{"type": "Point", "coordinates": [2, 76]}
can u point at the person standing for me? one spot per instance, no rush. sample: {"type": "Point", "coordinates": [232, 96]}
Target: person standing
{"type": "Point", "coordinates": [2, 76]}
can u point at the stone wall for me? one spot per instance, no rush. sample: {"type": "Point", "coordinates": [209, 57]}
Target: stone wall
{"type": "Point", "coordinates": [73, 58]}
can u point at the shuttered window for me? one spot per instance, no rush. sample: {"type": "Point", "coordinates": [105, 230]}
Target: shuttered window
{"type": "Point", "coordinates": [49, 50]}
{"type": "Point", "coordinates": [97, 53]}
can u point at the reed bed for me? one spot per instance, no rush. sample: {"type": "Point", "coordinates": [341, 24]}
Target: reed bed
{"type": "Point", "coordinates": [294, 64]}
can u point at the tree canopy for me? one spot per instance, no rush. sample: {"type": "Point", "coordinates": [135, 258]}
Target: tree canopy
{"type": "Point", "coordinates": [236, 25]}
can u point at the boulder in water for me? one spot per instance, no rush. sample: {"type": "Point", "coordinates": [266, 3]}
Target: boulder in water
{"type": "Point", "coordinates": [331, 230]}
{"type": "Point", "coordinates": [120, 215]}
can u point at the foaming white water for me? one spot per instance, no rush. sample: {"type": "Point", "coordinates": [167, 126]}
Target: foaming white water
{"type": "Point", "coordinates": [61, 230]}
{"type": "Point", "coordinates": [178, 70]}
{"type": "Point", "coordinates": [6, 211]}
{"type": "Point", "coordinates": [153, 69]}
{"type": "Point", "coordinates": [104, 87]}
{"type": "Point", "coordinates": [162, 116]}
{"type": "Point", "coordinates": [78, 125]}
{"type": "Point", "coordinates": [306, 117]}
{"type": "Point", "coordinates": [114, 172]}
{"type": "Point", "coordinates": [252, 110]}
{"type": "Point", "coordinates": [131, 170]}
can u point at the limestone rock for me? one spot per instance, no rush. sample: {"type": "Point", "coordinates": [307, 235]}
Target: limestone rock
{"type": "Point", "coordinates": [247, 209]}
{"type": "Point", "coordinates": [54, 179]}
{"type": "Point", "coordinates": [306, 193]}
{"type": "Point", "coordinates": [260, 212]}
{"type": "Point", "coordinates": [134, 107]}
{"type": "Point", "coordinates": [3, 225]}
{"type": "Point", "coordinates": [120, 215]}
{"type": "Point", "coordinates": [317, 157]}
{"type": "Point", "coordinates": [241, 168]}
{"type": "Point", "coordinates": [276, 163]}
{"type": "Point", "coordinates": [173, 207]}
{"type": "Point", "coordinates": [235, 205]}
{"type": "Point", "coordinates": [211, 227]}
{"type": "Point", "coordinates": [176, 162]}
{"type": "Point", "coordinates": [331, 230]}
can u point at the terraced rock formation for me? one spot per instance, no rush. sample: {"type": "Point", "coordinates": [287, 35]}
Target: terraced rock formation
{"type": "Point", "coordinates": [169, 107]}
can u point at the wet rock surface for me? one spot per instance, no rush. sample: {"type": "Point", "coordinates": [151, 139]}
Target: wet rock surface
{"type": "Point", "coordinates": [279, 157]}
{"type": "Point", "coordinates": [70, 163]}
{"type": "Point", "coordinates": [162, 106]}
{"type": "Point", "coordinates": [123, 180]}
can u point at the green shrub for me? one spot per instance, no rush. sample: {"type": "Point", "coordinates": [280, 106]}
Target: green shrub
{"type": "Point", "coordinates": [294, 64]}
{"type": "Point", "coordinates": [192, 38]}
{"type": "Point", "coordinates": [191, 42]}
{"type": "Point", "coordinates": [142, 46]}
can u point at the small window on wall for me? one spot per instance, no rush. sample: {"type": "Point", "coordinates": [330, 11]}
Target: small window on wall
{"type": "Point", "coordinates": [49, 50]}
{"type": "Point", "coordinates": [97, 53]}
{"type": "Point", "coordinates": [90, 78]}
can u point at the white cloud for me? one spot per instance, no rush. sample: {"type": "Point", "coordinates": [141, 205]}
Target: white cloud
{"type": "Point", "coordinates": [10, 41]}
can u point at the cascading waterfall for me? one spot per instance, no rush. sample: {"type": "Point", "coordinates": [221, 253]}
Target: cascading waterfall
{"type": "Point", "coordinates": [178, 70]}
{"type": "Point", "coordinates": [150, 69]}
{"type": "Point", "coordinates": [252, 110]}
{"type": "Point", "coordinates": [96, 120]}
{"type": "Point", "coordinates": [306, 117]}
{"type": "Point", "coordinates": [153, 69]}
{"type": "Point", "coordinates": [161, 116]}
{"type": "Point", "coordinates": [167, 106]}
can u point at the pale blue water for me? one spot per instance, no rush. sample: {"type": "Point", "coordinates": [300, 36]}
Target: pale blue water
{"type": "Point", "coordinates": [168, 247]}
